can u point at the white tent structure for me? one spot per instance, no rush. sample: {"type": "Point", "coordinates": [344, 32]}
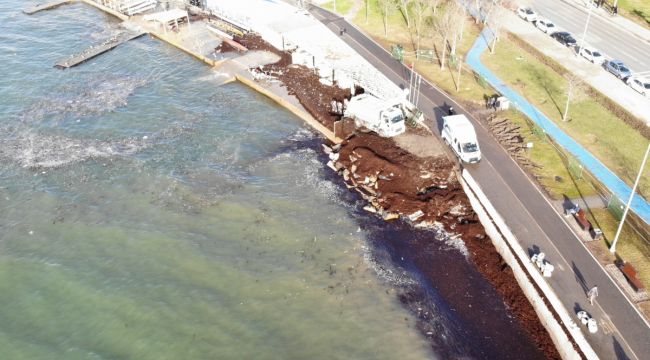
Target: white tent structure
{"type": "Point", "coordinates": [168, 18]}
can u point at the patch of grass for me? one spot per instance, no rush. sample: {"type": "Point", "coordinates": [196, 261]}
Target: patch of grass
{"type": "Point", "coordinates": [637, 10]}
{"type": "Point", "coordinates": [611, 140]}
{"type": "Point", "coordinates": [342, 6]}
{"type": "Point", "coordinates": [554, 163]}
{"type": "Point", "coordinates": [631, 246]}
{"type": "Point", "coordinates": [397, 32]}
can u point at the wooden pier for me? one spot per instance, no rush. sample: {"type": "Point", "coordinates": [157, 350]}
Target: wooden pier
{"type": "Point", "coordinates": [47, 6]}
{"type": "Point", "coordinates": [93, 51]}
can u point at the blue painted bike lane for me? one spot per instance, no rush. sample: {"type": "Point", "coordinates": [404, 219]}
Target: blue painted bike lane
{"type": "Point", "coordinates": [621, 190]}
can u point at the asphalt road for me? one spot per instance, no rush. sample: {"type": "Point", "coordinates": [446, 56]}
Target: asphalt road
{"type": "Point", "coordinates": [623, 332]}
{"type": "Point", "coordinates": [602, 34]}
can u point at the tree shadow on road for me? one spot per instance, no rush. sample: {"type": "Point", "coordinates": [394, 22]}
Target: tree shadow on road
{"type": "Point", "coordinates": [619, 351]}
{"type": "Point", "coordinates": [579, 277]}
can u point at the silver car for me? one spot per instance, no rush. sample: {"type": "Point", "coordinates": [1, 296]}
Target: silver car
{"type": "Point", "coordinates": [617, 68]}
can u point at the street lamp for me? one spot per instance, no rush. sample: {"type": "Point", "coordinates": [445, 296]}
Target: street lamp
{"type": "Point", "coordinates": [612, 249]}
{"type": "Point", "coordinates": [584, 33]}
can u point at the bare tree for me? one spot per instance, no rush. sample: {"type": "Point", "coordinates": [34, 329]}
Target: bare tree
{"type": "Point", "coordinates": [404, 9]}
{"type": "Point", "coordinates": [386, 7]}
{"type": "Point", "coordinates": [421, 12]}
{"type": "Point", "coordinates": [495, 21]}
{"type": "Point", "coordinates": [459, 28]}
{"type": "Point", "coordinates": [445, 26]}
{"type": "Point", "coordinates": [434, 5]}
{"type": "Point", "coordinates": [573, 81]}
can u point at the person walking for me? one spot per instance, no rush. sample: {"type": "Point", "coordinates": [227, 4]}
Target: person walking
{"type": "Point", "coordinates": [451, 111]}
{"type": "Point", "coordinates": [592, 294]}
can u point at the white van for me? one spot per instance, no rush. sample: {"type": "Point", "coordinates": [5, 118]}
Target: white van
{"type": "Point", "coordinates": [459, 134]}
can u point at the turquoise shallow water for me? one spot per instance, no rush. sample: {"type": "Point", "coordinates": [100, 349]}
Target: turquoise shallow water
{"type": "Point", "coordinates": [148, 214]}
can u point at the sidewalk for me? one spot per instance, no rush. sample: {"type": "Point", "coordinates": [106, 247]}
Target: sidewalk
{"type": "Point", "coordinates": [594, 75]}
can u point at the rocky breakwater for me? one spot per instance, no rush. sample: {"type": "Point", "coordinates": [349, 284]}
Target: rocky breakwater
{"type": "Point", "coordinates": [399, 184]}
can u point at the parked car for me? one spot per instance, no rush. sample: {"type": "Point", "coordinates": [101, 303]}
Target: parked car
{"type": "Point", "coordinates": [564, 38]}
{"type": "Point", "coordinates": [592, 55]}
{"type": "Point", "coordinates": [642, 85]}
{"type": "Point", "coordinates": [527, 14]}
{"type": "Point", "coordinates": [545, 25]}
{"type": "Point", "coordinates": [617, 68]}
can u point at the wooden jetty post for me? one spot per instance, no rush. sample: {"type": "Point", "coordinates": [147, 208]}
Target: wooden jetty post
{"type": "Point", "coordinates": [90, 53]}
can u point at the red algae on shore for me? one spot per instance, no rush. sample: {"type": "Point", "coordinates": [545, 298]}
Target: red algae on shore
{"type": "Point", "coordinates": [399, 184]}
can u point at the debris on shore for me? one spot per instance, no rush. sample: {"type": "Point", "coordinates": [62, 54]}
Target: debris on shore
{"type": "Point", "coordinates": [397, 184]}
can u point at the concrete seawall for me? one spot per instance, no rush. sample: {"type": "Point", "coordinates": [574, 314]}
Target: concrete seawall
{"type": "Point", "coordinates": [517, 259]}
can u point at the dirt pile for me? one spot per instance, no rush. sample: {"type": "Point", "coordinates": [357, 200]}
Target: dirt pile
{"type": "Point", "coordinates": [301, 82]}
{"type": "Point", "coordinates": [224, 47]}
{"type": "Point", "coordinates": [400, 185]}
{"type": "Point", "coordinates": [425, 191]}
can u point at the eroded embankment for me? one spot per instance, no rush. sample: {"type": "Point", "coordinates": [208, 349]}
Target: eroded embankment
{"type": "Point", "coordinates": [397, 183]}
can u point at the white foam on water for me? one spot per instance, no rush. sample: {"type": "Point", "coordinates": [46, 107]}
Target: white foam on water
{"type": "Point", "coordinates": [384, 271]}
{"type": "Point", "coordinates": [454, 241]}
{"type": "Point", "coordinates": [30, 149]}
{"type": "Point", "coordinates": [98, 97]}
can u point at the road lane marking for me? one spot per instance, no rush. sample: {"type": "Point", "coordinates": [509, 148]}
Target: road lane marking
{"type": "Point", "coordinates": [381, 62]}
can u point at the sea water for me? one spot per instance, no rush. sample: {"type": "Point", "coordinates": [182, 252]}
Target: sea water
{"type": "Point", "coordinates": [146, 213]}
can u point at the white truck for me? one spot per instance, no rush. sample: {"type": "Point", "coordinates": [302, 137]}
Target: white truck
{"type": "Point", "coordinates": [459, 134]}
{"type": "Point", "coordinates": [383, 117]}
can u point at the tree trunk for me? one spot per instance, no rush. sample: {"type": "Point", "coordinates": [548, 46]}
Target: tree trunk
{"type": "Point", "coordinates": [462, 25]}
{"type": "Point", "coordinates": [406, 14]}
{"type": "Point", "coordinates": [453, 44]}
{"type": "Point", "coordinates": [444, 53]}
{"type": "Point", "coordinates": [460, 66]}
{"type": "Point", "coordinates": [367, 5]}
{"type": "Point", "coordinates": [417, 42]}
{"type": "Point", "coordinates": [386, 20]}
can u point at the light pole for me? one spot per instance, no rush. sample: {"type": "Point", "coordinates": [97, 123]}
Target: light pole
{"type": "Point", "coordinates": [584, 33]}
{"type": "Point", "coordinates": [612, 249]}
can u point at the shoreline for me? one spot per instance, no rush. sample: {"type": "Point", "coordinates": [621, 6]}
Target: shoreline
{"type": "Point", "coordinates": [442, 196]}
{"type": "Point", "coordinates": [447, 187]}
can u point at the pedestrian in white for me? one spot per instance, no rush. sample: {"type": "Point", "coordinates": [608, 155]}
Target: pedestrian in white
{"type": "Point", "coordinates": [592, 293]}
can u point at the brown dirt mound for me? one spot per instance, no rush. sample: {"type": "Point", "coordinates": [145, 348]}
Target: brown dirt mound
{"type": "Point", "coordinates": [224, 47]}
{"type": "Point", "coordinates": [301, 82]}
{"type": "Point", "coordinates": [395, 181]}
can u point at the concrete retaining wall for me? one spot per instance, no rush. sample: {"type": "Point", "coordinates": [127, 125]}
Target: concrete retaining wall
{"type": "Point", "coordinates": [296, 111]}
{"type": "Point", "coordinates": [515, 256]}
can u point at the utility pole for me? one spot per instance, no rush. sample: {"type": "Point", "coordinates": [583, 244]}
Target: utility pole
{"type": "Point", "coordinates": [584, 33]}
{"type": "Point", "coordinates": [612, 249]}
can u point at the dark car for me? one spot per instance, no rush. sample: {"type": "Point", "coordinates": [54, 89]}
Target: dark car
{"type": "Point", "coordinates": [617, 68]}
{"type": "Point", "coordinates": [564, 38]}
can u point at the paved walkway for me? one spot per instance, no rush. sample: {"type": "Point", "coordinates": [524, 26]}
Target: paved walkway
{"type": "Point", "coordinates": [639, 205]}
{"type": "Point", "coordinates": [532, 219]}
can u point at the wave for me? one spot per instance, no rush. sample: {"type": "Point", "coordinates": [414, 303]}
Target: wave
{"type": "Point", "coordinates": [97, 97]}
{"type": "Point", "coordinates": [33, 150]}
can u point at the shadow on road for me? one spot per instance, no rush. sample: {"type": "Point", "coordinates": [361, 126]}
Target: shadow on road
{"type": "Point", "coordinates": [618, 350]}
{"type": "Point", "coordinates": [579, 277]}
